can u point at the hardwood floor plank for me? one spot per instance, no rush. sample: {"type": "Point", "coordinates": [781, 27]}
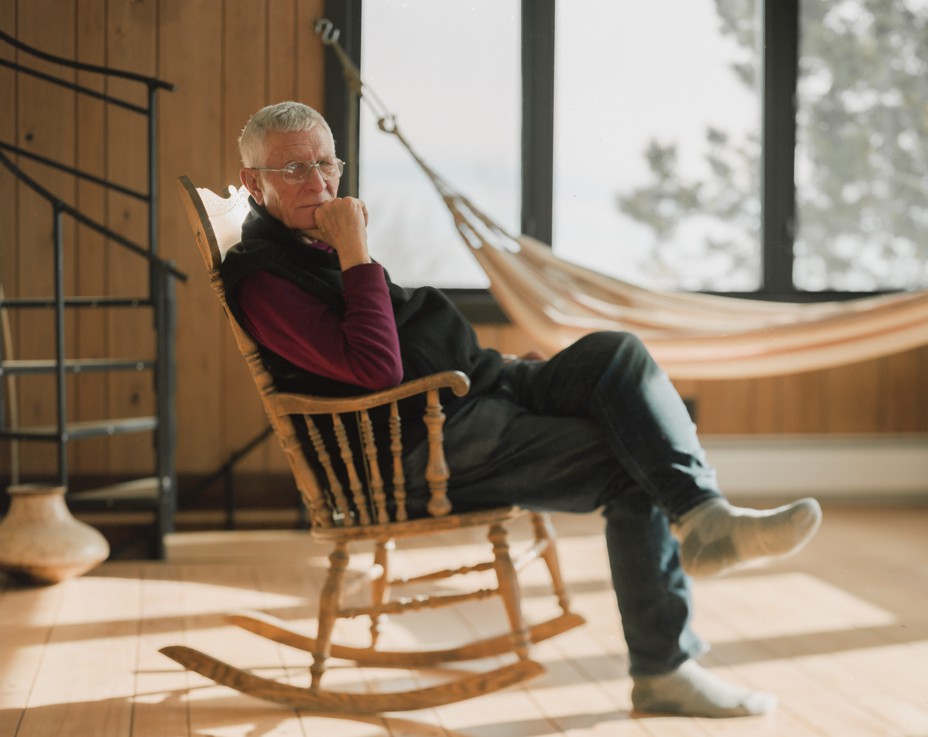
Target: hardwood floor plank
{"type": "Point", "coordinates": [86, 680]}
{"type": "Point", "coordinates": [839, 633]}
{"type": "Point", "coordinates": [161, 688]}
{"type": "Point", "coordinates": [762, 656]}
{"type": "Point", "coordinates": [213, 590]}
{"type": "Point", "coordinates": [27, 616]}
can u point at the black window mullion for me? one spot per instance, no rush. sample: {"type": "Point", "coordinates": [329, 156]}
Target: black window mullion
{"type": "Point", "coordinates": [342, 108]}
{"type": "Point", "coordinates": [780, 33]}
{"type": "Point", "coordinates": [537, 118]}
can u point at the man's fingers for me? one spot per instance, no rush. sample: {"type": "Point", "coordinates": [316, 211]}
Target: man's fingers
{"type": "Point", "coordinates": [341, 202]}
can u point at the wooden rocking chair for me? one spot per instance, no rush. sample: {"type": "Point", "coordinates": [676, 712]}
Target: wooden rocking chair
{"type": "Point", "coordinates": [371, 510]}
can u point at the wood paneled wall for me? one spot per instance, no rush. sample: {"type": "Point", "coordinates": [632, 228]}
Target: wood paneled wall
{"type": "Point", "coordinates": [227, 58]}
{"type": "Point", "coordinates": [53, 122]}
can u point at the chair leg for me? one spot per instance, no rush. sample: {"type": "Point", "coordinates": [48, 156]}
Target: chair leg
{"type": "Point", "coordinates": [380, 585]}
{"type": "Point", "coordinates": [509, 588]}
{"type": "Point", "coordinates": [544, 531]}
{"type": "Point", "coordinates": [329, 605]}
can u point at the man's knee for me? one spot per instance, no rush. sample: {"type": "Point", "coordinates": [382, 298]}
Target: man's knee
{"type": "Point", "coordinates": [610, 351]}
{"type": "Point", "coordinates": [611, 341]}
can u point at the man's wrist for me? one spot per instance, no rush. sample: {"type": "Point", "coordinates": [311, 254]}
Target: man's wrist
{"type": "Point", "coordinates": [351, 260]}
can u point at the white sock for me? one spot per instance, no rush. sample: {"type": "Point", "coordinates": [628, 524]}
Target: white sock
{"type": "Point", "coordinates": [692, 691]}
{"type": "Point", "coordinates": [716, 537]}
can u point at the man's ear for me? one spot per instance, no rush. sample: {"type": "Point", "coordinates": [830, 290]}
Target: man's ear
{"type": "Point", "coordinates": [250, 180]}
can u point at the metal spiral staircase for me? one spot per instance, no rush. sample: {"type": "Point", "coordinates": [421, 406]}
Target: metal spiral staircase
{"type": "Point", "coordinates": [156, 490]}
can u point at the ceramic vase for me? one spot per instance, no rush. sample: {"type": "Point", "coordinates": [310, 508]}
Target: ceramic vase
{"type": "Point", "coordinates": [41, 542]}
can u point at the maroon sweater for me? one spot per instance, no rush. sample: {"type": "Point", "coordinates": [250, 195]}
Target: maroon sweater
{"type": "Point", "coordinates": [360, 348]}
{"type": "Point", "coordinates": [332, 333]}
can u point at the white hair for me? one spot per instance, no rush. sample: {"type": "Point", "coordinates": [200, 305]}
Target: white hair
{"type": "Point", "coordinates": [283, 117]}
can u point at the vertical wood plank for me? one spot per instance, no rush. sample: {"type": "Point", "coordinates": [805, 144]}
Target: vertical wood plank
{"type": "Point", "coordinates": [902, 391]}
{"type": "Point", "coordinates": [282, 43]}
{"type": "Point", "coordinates": [90, 390]}
{"type": "Point", "coordinates": [190, 56]}
{"type": "Point", "coordinates": [310, 55]}
{"type": "Point", "coordinates": [767, 402]}
{"type": "Point", "coordinates": [803, 403]}
{"type": "Point", "coordinates": [921, 390]}
{"type": "Point", "coordinates": [853, 398]}
{"type": "Point", "coordinates": [488, 336]}
{"type": "Point", "coordinates": [9, 210]}
{"type": "Point", "coordinates": [45, 122]}
{"type": "Point", "coordinates": [723, 407]}
{"type": "Point", "coordinates": [130, 46]}
{"type": "Point", "coordinates": [245, 81]}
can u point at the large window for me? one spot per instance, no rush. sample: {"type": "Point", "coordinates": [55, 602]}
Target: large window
{"type": "Point", "coordinates": [862, 145]}
{"type": "Point", "coordinates": [450, 72]}
{"type": "Point", "coordinates": [720, 145]}
{"type": "Point", "coordinates": [656, 143]}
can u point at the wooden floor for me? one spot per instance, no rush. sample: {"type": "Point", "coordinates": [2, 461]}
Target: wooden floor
{"type": "Point", "coordinates": [839, 632]}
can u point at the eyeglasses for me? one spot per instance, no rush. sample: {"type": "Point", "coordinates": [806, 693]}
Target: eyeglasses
{"type": "Point", "coordinates": [300, 171]}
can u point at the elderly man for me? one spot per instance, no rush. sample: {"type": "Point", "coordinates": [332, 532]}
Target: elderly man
{"type": "Point", "coordinates": [598, 426]}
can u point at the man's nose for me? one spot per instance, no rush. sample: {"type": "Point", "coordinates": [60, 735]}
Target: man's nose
{"type": "Point", "coordinates": [316, 182]}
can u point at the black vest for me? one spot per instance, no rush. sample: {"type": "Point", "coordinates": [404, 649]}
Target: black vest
{"type": "Point", "coordinates": [433, 334]}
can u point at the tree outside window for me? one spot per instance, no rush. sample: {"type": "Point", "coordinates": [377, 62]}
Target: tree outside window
{"type": "Point", "coordinates": [658, 141]}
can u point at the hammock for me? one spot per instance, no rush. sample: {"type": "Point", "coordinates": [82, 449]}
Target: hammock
{"type": "Point", "coordinates": [692, 336]}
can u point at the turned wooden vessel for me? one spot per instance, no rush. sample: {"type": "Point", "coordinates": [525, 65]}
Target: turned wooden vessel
{"type": "Point", "coordinates": [41, 542]}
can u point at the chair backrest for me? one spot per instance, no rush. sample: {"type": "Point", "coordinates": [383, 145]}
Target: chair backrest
{"type": "Point", "coordinates": [345, 484]}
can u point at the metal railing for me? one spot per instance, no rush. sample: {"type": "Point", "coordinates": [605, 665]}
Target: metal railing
{"type": "Point", "coordinates": [162, 273]}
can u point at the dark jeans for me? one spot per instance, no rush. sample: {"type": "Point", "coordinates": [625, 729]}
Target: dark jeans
{"type": "Point", "coordinates": [598, 426]}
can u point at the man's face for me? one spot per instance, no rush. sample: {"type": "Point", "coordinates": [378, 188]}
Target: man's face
{"type": "Point", "coordinates": [293, 204]}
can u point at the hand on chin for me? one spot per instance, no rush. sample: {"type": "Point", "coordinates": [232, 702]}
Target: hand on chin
{"type": "Point", "coordinates": [311, 233]}
{"type": "Point", "coordinates": [305, 224]}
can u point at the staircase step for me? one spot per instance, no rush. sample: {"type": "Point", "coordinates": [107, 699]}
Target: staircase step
{"type": "Point", "coordinates": [74, 365]}
{"type": "Point", "coordinates": [134, 493]}
{"type": "Point", "coordinates": [80, 430]}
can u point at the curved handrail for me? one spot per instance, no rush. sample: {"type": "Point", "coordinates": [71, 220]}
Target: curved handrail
{"type": "Point", "coordinates": [57, 203]}
{"type": "Point", "coordinates": [84, 67]}
{"type": "Point", "coordinates": [161, 272]}
{"type": "Point", "coordinates": [72, 171]}
{"type": "Point", "coordinates": [62, 206]}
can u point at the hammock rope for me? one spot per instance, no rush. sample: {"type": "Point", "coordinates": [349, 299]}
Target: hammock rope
{"type": "Point", "coordinates": [692, 336]}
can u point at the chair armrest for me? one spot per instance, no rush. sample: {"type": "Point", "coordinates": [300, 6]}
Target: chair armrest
{"type": "Point", "coordinates": [292, 404]}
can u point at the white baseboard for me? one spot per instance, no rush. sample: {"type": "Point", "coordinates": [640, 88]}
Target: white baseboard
{"type": "Point", "coordinates": [866, 469]}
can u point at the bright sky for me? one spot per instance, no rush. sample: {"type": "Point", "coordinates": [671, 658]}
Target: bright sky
{"type": "Point", "coordinates": [626, 72]}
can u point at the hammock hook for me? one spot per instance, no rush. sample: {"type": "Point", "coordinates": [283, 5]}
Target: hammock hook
{"type": "Point", "coordinates": [327, 31]}
{"type": "Point", "coordinates": [387, 124]}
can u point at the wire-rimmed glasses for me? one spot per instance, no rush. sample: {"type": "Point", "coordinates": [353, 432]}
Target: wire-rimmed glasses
{"type": "Point", "coordinates": [297, 172]}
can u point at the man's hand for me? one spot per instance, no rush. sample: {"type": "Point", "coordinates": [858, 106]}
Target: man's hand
{"type": "Point", "coordinates": [532, 355]}
{"type": "Point", "coordinates": [342, 223]}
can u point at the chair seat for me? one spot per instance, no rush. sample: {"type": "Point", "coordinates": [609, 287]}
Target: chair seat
{"type": "Point", "coordinates": [419, 526]}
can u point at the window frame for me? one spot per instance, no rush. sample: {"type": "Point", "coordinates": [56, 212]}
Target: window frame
{"type": "Point", "coordinates": [780, 69]}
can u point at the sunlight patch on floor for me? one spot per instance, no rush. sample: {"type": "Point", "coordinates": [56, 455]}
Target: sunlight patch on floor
{"type": "Point", "coordinates": [804, 605]}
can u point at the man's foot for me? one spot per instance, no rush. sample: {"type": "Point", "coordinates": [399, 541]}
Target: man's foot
{"type": "Point", "coordinates": [716, 537]}
{"type": "Point", "coordinates": [692, 691]}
